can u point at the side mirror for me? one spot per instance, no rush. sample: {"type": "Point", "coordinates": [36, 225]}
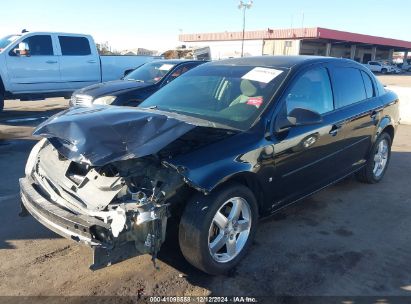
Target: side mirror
{"type": "Point", "coordinates": [126, 72]}
{"type": "Point", "coordinates": [297, 117]}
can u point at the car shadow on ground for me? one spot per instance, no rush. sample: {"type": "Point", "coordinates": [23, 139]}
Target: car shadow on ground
{"type": "Point", "coordinates": [171, 254]}
{"type": "Point", "coordinates": [335, 233]}
{"type": "Point", "coordinates": [13, 155]}
{"type": "Point", "coordinates": [22, 228]}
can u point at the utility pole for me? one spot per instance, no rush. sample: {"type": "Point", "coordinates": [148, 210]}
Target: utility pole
{"type": "Point", "coordinates": [244, 6]}
{"type": "Point", "coordinates": [302, 19]}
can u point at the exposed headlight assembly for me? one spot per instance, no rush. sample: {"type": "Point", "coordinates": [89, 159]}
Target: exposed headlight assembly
{"type": "Point", "coordinates": [105, 100]}
{"type": "Point", "coordinates": [31, 161]}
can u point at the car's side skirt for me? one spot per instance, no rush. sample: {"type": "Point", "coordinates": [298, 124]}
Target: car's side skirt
{"type": "Point", "coordinates": [275, 210]}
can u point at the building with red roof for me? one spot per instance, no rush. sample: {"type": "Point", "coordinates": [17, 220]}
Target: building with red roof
{"type": "Point", "coordinates": [299, 41]}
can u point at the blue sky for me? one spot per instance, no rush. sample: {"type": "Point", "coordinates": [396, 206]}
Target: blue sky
{"type": "Point", "coordinates": [156, 24]}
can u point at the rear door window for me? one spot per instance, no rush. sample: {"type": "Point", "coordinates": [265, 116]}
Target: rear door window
{"type": "Point", "coordinates": [311, 91]}
{"type": "Point", "coordinates": [74, 46]}
{"type": "Point", "coordinates": [348, 85]}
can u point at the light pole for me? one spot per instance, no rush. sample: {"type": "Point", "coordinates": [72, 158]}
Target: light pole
{"type": "Point", "coordinates": [244, 6]}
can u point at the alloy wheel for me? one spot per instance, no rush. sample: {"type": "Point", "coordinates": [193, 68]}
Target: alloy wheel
{"type": "Point", "coordinates": [380, 158]}
{"type": "Point", "coordinates": [229, 230]}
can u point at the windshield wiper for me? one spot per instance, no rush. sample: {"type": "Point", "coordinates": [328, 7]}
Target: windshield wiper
{"type": "Point", "coordinates": [150, 108]}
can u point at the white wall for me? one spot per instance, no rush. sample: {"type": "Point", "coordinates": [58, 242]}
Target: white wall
{"type": "Point", "coordinates": [227, 49]}
{"type": "Point", "coordinates": [404, 94]}
{"type": "Point", "coordinates": [281, 47]}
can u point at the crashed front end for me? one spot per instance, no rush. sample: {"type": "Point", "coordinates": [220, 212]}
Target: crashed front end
{"type": "Point", "coordinates": [117, 203]}
{"type": "Point", "coordinates": [103, 207]}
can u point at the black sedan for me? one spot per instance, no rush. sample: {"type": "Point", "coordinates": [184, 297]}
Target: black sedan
{"type": "Point", "coordinates": [208, 155]}
{"type": "Point", "coordinates": [134, 87]}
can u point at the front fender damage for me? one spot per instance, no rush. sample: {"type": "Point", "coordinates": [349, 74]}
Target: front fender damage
{"type": "Point", "coordinates": [109, 163]}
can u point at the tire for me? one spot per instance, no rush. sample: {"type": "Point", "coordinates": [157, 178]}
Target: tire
{"type": "Point", "coordinates": [372, 173]}
{"type": "Point", "coordinates": [199, 228]}
{"type": "Point", "coordinates": [383, 71]}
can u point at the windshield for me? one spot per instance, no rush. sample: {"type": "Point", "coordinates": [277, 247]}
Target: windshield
{"type": "Point", "coordinates": [151, 72]}
{"type": "Point", "coordinates": [5, 41]}
{"type": "Point", "coordinates": [230, 95]}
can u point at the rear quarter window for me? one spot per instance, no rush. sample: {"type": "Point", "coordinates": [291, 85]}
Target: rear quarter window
{"type": "Point", "coordinates": [74, 46]}
{"type": "Point", "coordinates": [348, 85]}
{"type": "Point", "coordinates": [381, 89]}
{"type": "Point", "coordinates": [369, 88]}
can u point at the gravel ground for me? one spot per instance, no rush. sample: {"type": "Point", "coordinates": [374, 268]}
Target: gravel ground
{"type": "Point", "coordinates": [402, 80]}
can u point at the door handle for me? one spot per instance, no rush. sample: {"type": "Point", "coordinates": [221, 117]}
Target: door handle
{"type": "Point", "coordinates": [51, 61]}
{"type": "Point", "coordinates": [91, 61]}
{"type": "Point", "coordinates": [335, 129]}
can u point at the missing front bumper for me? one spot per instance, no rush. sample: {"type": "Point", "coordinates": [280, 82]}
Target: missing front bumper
{"type": "Point", "coordinates": [65, 223]}
{"type": "Point", "coordinates": [88, 230]}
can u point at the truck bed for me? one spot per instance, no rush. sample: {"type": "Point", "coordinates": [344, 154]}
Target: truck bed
{"type": "Point", "coordinates": [113, 66]}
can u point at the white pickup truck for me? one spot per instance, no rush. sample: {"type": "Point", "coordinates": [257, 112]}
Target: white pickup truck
{"type": "Point", "coordinates": [36, 65]}
{"type": "Point", "coordinates": [380, 67]}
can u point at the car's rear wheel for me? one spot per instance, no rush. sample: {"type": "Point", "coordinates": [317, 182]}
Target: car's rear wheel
{"type": "Point", "coordinates": [217, 229]}
{"type": "Point", "coordinates": [378, 160]}
{"type": "Point", "coordinates": [384, 71]}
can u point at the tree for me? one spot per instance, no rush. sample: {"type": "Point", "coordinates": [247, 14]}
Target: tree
{"type": "Point", "coordinates": [105, 49]}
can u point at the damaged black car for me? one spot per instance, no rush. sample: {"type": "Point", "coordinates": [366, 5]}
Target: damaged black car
{"type": "Point", "coordinates": [209, 154]}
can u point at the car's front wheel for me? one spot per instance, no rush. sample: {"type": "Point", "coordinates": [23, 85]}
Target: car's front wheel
{"type": "Point", "coordinates": [217, 229]}
{"type": "Point", "coordinates": [378, 160]}
{"type": "Point", "coordinates": [384, 71]}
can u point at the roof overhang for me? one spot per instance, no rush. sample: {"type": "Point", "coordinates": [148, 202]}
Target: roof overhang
{"type": "Point", "coordinates": [297, 33]}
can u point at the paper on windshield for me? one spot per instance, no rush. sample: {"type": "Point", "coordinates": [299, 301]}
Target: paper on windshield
{"type": "Point", "coordinates": [166, 67]}
{"type": "Point", "coordinates": [260, 74]}
{"type": "Point", "coordinates": [255, 101]}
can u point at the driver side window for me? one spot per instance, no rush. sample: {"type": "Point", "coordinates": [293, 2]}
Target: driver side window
{"type": "Point", "coordinates": [311, 91]}
{"type": "Point", "coordinates": [39, 45]}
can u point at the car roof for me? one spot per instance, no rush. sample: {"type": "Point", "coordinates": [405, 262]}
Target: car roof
{"type": "Point", "coordinates": [176, 61]}
{"type": "Point", "coordinates": [28, 33]}
{"type": "Point", "coordinates": [279, 61]}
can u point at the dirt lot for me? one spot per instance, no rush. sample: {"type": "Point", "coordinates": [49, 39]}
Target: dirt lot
{"type": "Point", "coordinates": [352, 239]}
{"type": "Point", "coordinates": [402, 80]}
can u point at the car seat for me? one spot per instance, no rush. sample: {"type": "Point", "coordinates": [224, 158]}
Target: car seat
{"type": "Point", "coordinates": [248, 89]}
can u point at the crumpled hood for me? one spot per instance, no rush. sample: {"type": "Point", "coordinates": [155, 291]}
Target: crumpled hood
{"type": "Point", "coordinates": [101, 135]}
{"type": "Point", "coordinates": [111, 87]}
